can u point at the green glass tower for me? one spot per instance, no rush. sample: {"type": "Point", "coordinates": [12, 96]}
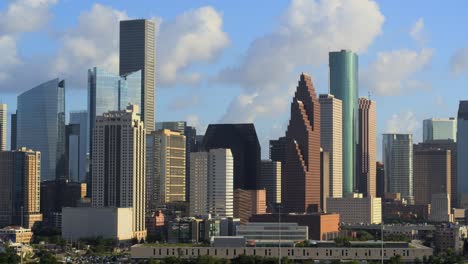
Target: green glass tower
{"type": "Point", "coordinates": [344, 86]}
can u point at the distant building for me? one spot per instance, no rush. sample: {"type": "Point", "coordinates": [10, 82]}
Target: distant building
{"type": "Point", "coordinates": [198, 183]}
{"type": "Point", "coordinates": [440, 129]}
{"type": "Point", "coordinates": [118, 170]}
{"type": "Point", "coordinates": [13, 131]}
{"type": "Point", "coordinates": [354, 208]}
{"type": "Point", "coordinates": [16, 234]}
{"type": "Point", "coordinates": [81, 147]}
{"type": "Point", "coordinates": [270, 180]}
{"type": "Point", "coordinates": [397, 152]}
{"type": "Point", "coordinates": [278, 149]}
{"type": "Point", "coordinates": [20, 177]}
{"type": "Point", "coordinates": [440, 208]}
{"type": "Point", "coordinates": [220, 201]}
{"type": "Point", "coordinates": [248, 203]}
{"type": "Point", "coordinates": [450, 236]}
{"type": "Point", "coordinates": [400, 211]}
{"type": "Point", "coordinates": [366, 148]}
{"type": "Point", "coordinates": [462, 148]}
{"type": "Point", "coordinates": [380, 180]}
{"type": "Point", "coordinates": [3, 127]}
{"type": "Point", "coordinates": [324, 179]}
{"type": "Point", "coordinates": [41, 126]}
{"type": "Point", "coordinates": [273, 233]}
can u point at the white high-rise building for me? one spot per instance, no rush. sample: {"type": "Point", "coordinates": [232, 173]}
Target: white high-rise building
{"type": "Point", "coordinates": [220, 183]}
{"type": "Point", "coordinates": [3, 127]}
{"type": "Point", "coordinates": [331, 138]}
{"type": "Point", "coordinates": [198, 183]}
{"type": "Point", "coordinates": [118, 169]}
{"type": "Point", "coordinates": [440, 129]}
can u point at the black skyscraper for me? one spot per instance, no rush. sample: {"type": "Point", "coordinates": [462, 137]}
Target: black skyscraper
{"type": "Point", "coordinates": [243, 142]}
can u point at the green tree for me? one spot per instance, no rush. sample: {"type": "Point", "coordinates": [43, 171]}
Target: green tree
{"type": "Point", "coordinates": [395, 260]}
{"type": "Point", "coordinates": [9, 256]}
{"type": "Point", "coordinates": [172, 260]}
{"type": "Point", "coordinates": [45, 257]}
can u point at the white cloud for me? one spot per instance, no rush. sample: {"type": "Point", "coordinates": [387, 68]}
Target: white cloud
{"type": "Point", "coordinates": [417, 31]}
{"type": "Point", "coordinates": [459, 61]}
{"type": "Point", "coordinates": [194, 120]}
{"type": "Point", "coordinates": [392, 71]}
{"type": "Point", "coordinates": [403, 122]}
{"type": "Point", "coordinates": [194, 36]}
{"type": "Point", "coordinates": [25, 16]}
{"type": "Point", "coordinates": [9, 56]}
{"type": "Point", "coordinates": [306, 32]}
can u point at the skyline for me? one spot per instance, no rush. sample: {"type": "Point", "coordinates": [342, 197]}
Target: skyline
{"type": "Point", "coordinates": [235, 47]}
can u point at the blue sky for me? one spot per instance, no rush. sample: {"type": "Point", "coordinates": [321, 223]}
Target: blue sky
{"type": "Point", "coordinates": [239, 61]}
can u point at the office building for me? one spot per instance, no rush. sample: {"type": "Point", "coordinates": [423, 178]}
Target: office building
{"type": "Point", "coordinates": [344, 86]}
{"type": "Point", "coordinates": [3, 127]}
{"type": "Point", "coordinates": [331, 136]}
{"type": "Point", "coordinates": [16, 234]}
{"type": "Point", "coordinates": [440, 208]}
{"type": "Point", "coordinates": [138, 52]}
{"type": "Point", "coordinates": [324, 179]}
{"type": "Point", "coordinates": [220, 183]}
{"type": "Point", "coordinates": [248, 203]}
{"type": "Point", "coordinates": [300, 190]}
{"type": "Point", "coordinates": [432, 174]}
{"type": "Point", "coordinates": [176, 126]}
{"type": "Point", "coordinates": [462, 150]}
{"type": "Point", "coordinates": [20, 177]}
{"type": "Point", "coordinates": [41, 126]}
{"type": "Point", "coordinates": [366, 148]}
{"type": "Point", "coordinates": [277, 149]}
{"type": "Point", "coordinates": [242, 140]}
{"type": "Point", "coordinates": [355, 209]}
{"type": "Point", "coordinates": [270, 180]}
{"type": "Point", "coordinates": [397, 152]}
{"type": "Point", "coordinates": [81, 147]}
{"type": "Point", "coordinates": [13, 133]}
{"type": "Point", "coordinates": [440, 129]}
{"type": "Point", "coordinates": [198, 183]}
{"type": "Point", "coordinates": [450, 236]}
{"type": "Point", "coordinates": [380, 180]}
{"type": "Point", "coordinates": [285, 233]}
{"type": "Point", "coordinates": [72, 152]}
{"type": "Point", "coordinates": [118, 171]}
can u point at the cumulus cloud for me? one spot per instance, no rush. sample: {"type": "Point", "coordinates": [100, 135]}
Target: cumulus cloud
{"type": "Point", "coordinates": [417, 31]}
{"type": "Point", "coordinates": [459, 61]}
{"type": "Point", "coordinates": [25, 16]}
{"type": "Point", "coordinates": [194, 120]}
{"type": "Point", "coordinates": [403, 122]}
{"type": "Point", "coordinates": [392, 71]}
{"type": "Point", "coordinates": [306, 32]}
{"type": "Point", "coordinates": [194, 36]}
{"type": "Point", "coordinates": [9, 55]}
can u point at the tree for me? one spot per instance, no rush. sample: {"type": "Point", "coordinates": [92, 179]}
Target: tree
{"type": "Point", "coordinates": [9, 256]}
{"type": "Point", "coordinates": [395, 260]}
{"type": "Point", "coordinates": [172, 260]}
{"type": "Point", "coordinates": [417, 261]}
{"type": "Point", "coordinates": [45, 257]}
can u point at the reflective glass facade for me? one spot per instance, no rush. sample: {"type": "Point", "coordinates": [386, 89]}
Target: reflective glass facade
{"type": "Point", "coordinates": [41, 126]}
{"type": "Point", "coordinates": [344, 86]}
{"type": "Point", "coordinates": [440, 129]}
{"type": "Point", "coordinates": [130, 90]}
{"type": "Point", "coordinates": [82, 146]}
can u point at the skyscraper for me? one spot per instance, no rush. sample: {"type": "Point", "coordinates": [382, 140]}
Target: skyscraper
{"type": "Point", "coordinates": [20, 177]}
{"type": "Point", "coordinates": [324, 179]}
{"type": "Point", "coordinates": [138, 52]}
{"type": "Point", "coordinates": [198, 183]}
{"type": "Point", "coordinates": [366, 148]}
{"type": "Point", "coordinates": [431, 174]}
{"type": "Point", "coordinates": [3, 127]}
{"type": "Point", "coordinates": [380, 179]}
{"type": "Point", "coordinates": [177, 126]}
{"type": "Point", "coordinates": [397, 151]}
{"type": "Point", "coordinates": [220, 183]}
{"type": "Point", "coordinates": [270, 179]}
{"type": "Point", "coordinates": [440, 129]}
{"type": "Point", "coordinates": [462, 148]}
{"type": "Point", "coordinates": [13, 131]}
{"type": "Point", "coordinates": [242, 140]}
{"type": "Point", "coordinates": [300, 190]}
{"type": "Point", "coordinates": [344, 86]}
{"type": "Point", "coordinates": [331, 129]}
{"type": "Point", "coordinates": [119, 142]}
{"type": "Point", "coordinates": [72, 152]}
{"type": "Point", "coordinates": [41, 126]}
{"type": "Point", "coordinates": [81, 118]}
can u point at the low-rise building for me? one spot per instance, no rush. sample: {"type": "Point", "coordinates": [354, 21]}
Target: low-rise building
{"type": "Point", "coordinates": [271, 233]}
{"type": "Point", "coordinates": [440, 205]}
{"type": "Point", "coordinates": [354, 208]}
{"type": "Point", "coordinates": [450, 236]}
{"type": "Point", "coordinates": [16, 234]}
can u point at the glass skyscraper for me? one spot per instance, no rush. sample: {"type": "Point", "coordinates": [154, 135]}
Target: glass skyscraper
{"type": "Point", "coordinates": [462, 151]}
{"type": "Point", "coordinates": [440, 128]}
{"type": "Point", "coordinates": [41, 126]}
{"type": "Point", "coordinates": [82, 147]}
{"type": "Point", "coordinates": [344, 86]}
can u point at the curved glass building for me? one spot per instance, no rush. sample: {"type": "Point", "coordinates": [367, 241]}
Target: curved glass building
{"type": "Point", "coordinates": [344, 86]}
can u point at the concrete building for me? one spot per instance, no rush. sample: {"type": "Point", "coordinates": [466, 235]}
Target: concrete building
{"type": "Point", "coordinates": [13, 131]}
{"type": "Point", "coordinates": [248, 203]}
{"type": "Point", "coordinates": [3, 127]}
{"type": "Point", "coordinates": [274, 233]}
{"type": "Point", "coordinates": [138, 52]}
{"type": "Point", "coordinates": [118, 170]}
{"type": "Point", "coordinates": [321, 226]}
{"type": "Point", "coordinates": [354, 208]}
{"type": "Point", "coordinates": [220, 183]}
{"type": "Point", "coordinates": [397, 152]}
{"type": "Point", "coordinates": [450, 236]}
{"type": "Point", "coordinates": [300, 190]}
{"type": "Point", "coordinates": [107, 222]}
{"type": "Point", "coordinates": [16, 234]}
{"type": "Point", "coordinates": [432, 174]}
{"type": "Point", "coordinates": [440, 208]}
{"type": "Point", "coordinates": [331, 139]}
{"type": "Point", "coordinates": [270, 180]}
{"type": "Point", "coordinates": [366, 148]}
{"type": "Point", "coordinates": [324, 179]}
{"type": "Point", "coordinates": [462, 147]}
{"type": "Point", "coordinates": [41, 126]}
{"type": "Point", "coordinates": [344, 86]}
{"type": "Point", "coordinates": [20, 177]}
{"type": "Point", "coordinates": [440, 129]}
{"type": "Point", "coordinates": [198, 183]}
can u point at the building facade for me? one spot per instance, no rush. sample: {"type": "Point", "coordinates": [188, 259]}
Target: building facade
{"type": "Point", "coordinates": [41, 126]}
{"type": "Point", "coordinates": [138, 52]}
{"type": "Point", "coordinates": [220, 202]}
{"type": "Point", "coordinates": [13, 131]}
{"type": "Point", "coordinates": [331, 139]}
{"type": "Point", "coordinates": [20, 177]}
{"type": "Point", "coordinates": [344, 86]}
{"type": "Point", "coordinates": [397, 152]}
{"type": "Point", "coordinates": [300, 190]}
{"type": "Point", "coordinates": [3, 127]}
{"type": "Point", "coordinates": [270, 180]}
{"type": "Point", "coordinates": [380, 180]}
{"type": "Point", "coordinates": [198, 183]}
{"type": "Point", "coordinates": [248, 203]}
{"type": "Point", "coordinates": [366, 148]}
{"type": "Point", "coordinates": [440, 208]}
{"type": "Point", "coordinates": [119, 145]}
{"type": "Point", "coordinates": [273, 232]}
{"type": "Point", "coordinates": [81, 147]}
{"type": "Point", "coordinates": [355, 209]}
{"type": "Point", "coordinates": [462, 150]}
{"type": "Point", "coordinates": [440, 129]}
